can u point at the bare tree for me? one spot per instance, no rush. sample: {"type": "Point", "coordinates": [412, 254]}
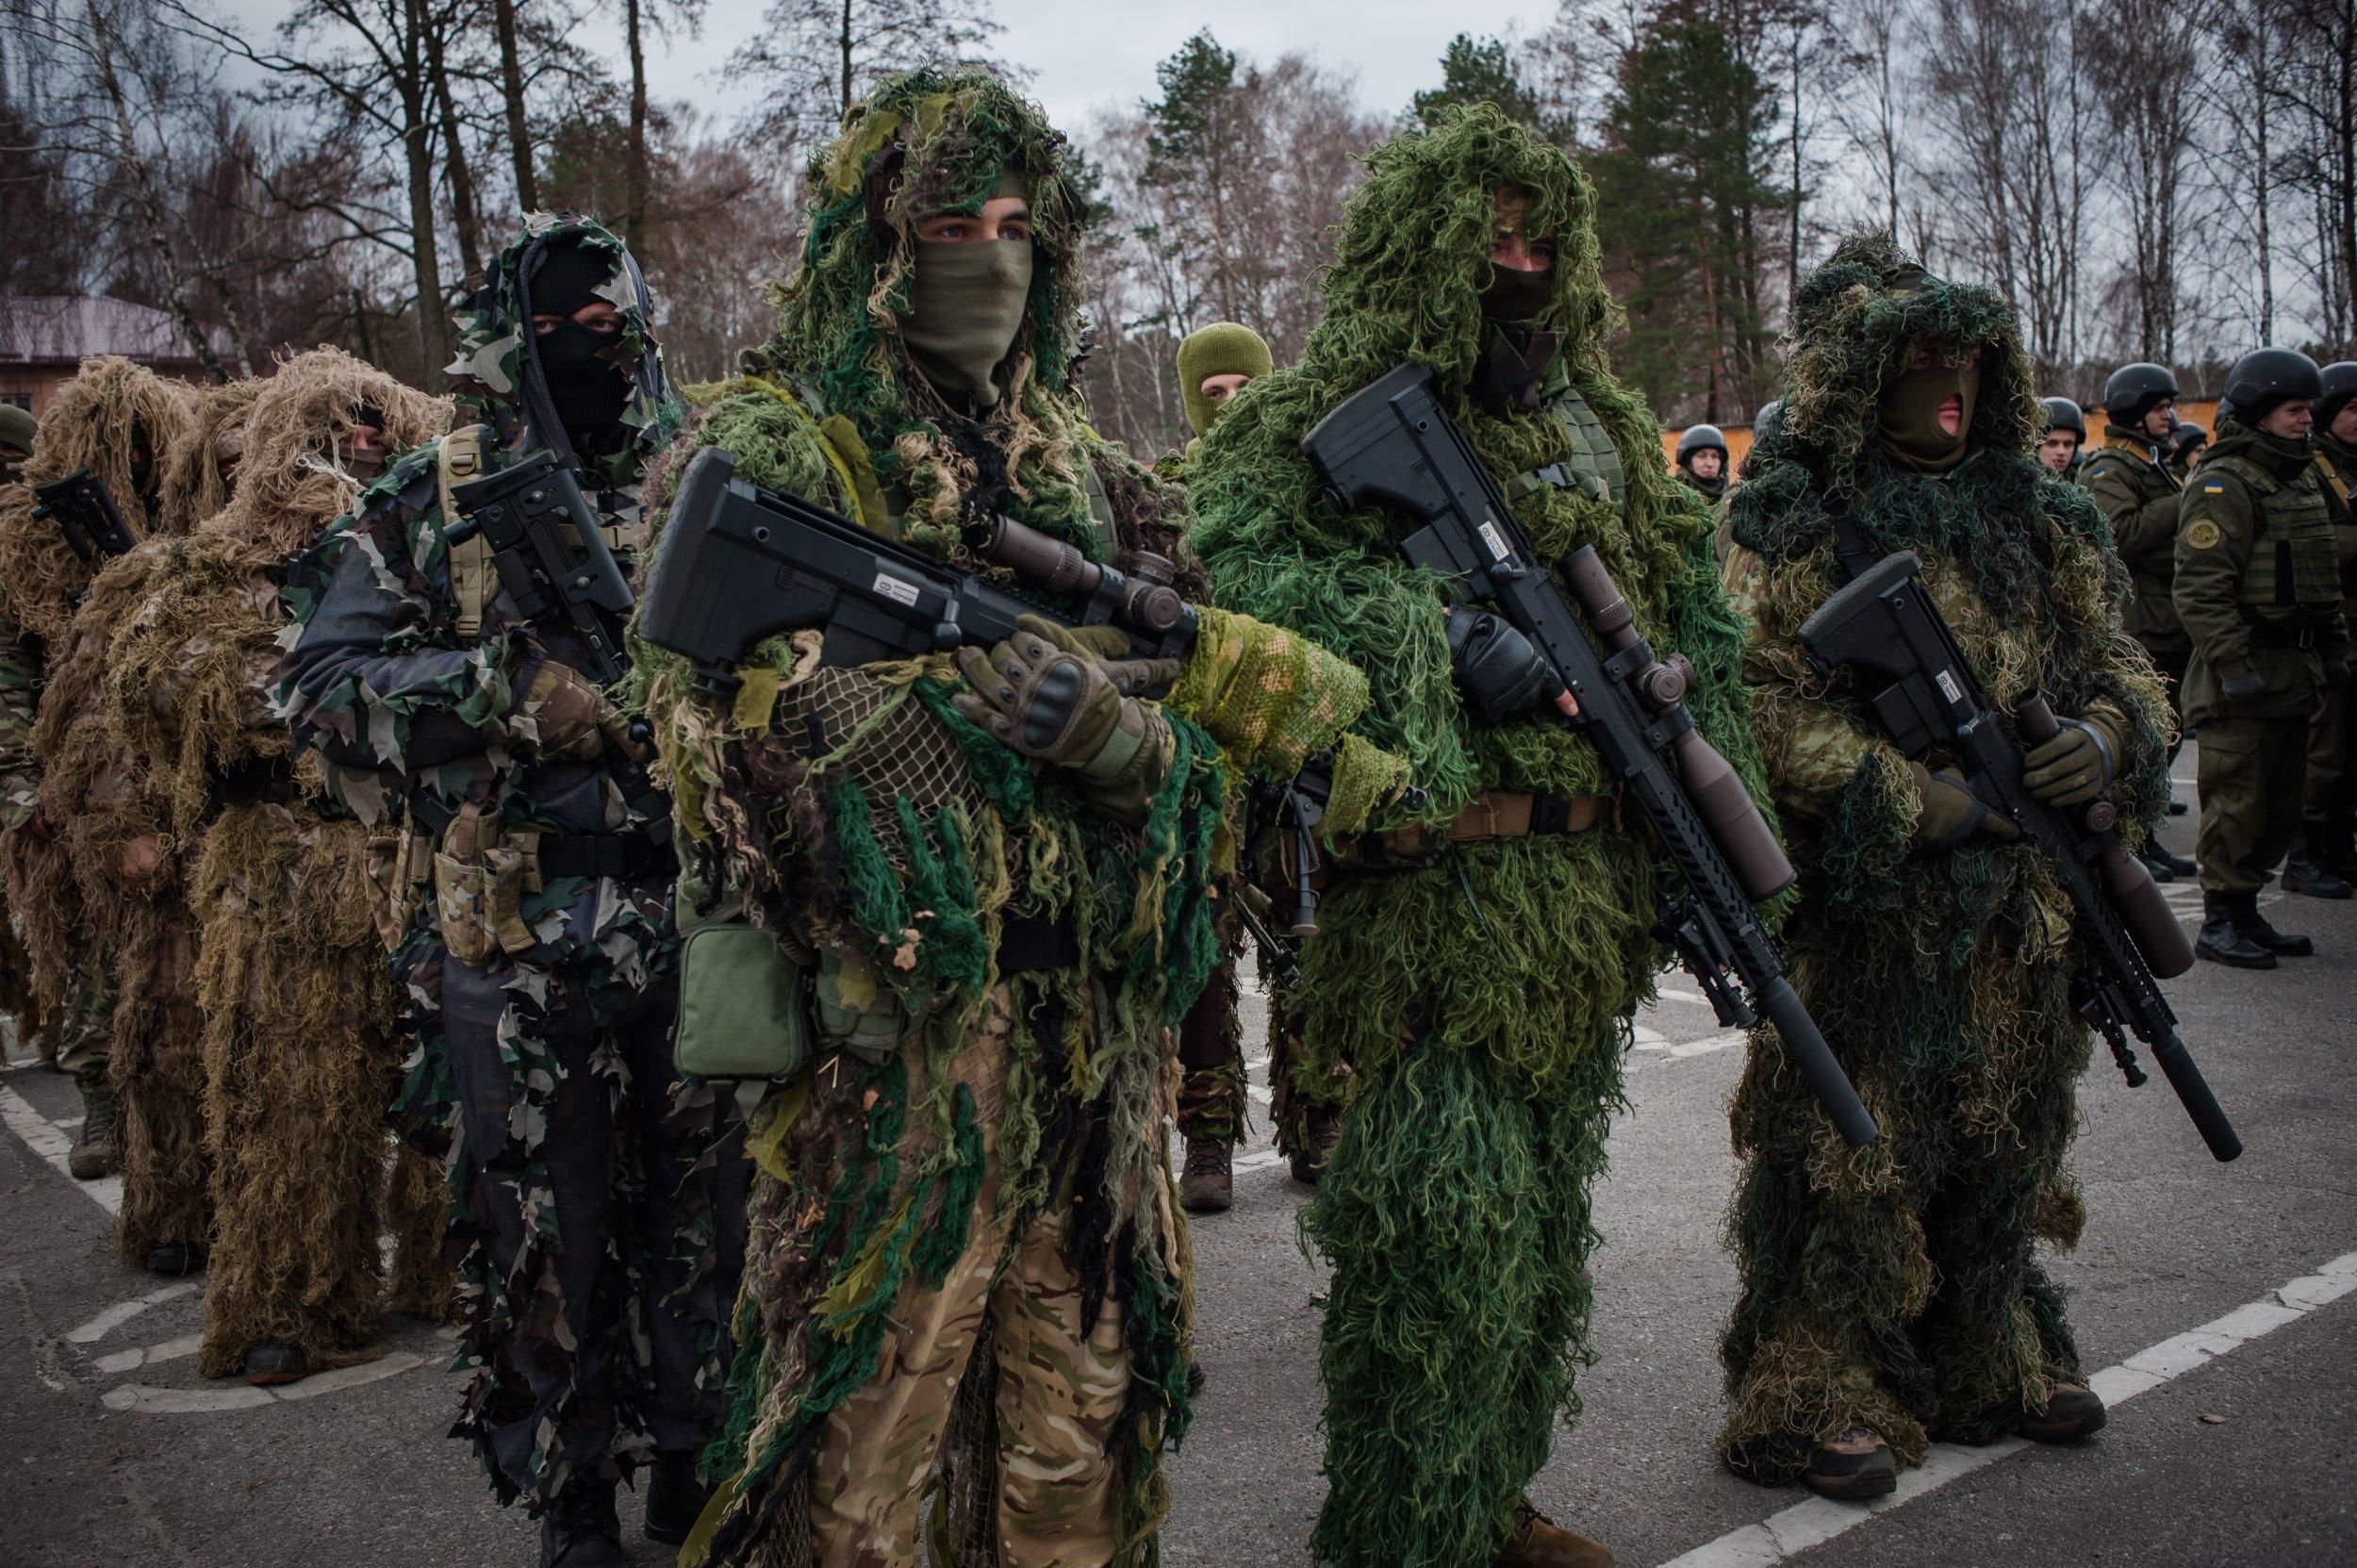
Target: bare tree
{"type": "Point", "coordinates": [817, 56]}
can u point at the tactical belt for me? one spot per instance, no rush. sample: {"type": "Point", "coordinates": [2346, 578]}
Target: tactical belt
{"type": "Point", "coordinates": [1494, 814]}
{"type": "Point", "coordinates": [1030, 944]}
{"type": "Point", "coordinates": [624, 856]}
{"type": "Point", "coordinates": [2266, 634]}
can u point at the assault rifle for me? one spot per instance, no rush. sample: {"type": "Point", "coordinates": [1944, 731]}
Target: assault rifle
{"type": "Point", "coordinates": [1883, 627]}
{"type": "Point", "coordinates": [85, 513]}
{"type": "Point", "coordinates": [550, 555]}
{"type": "Point", "coordinates": [1393, 445]}
{"type": "Point", "coordinates": [739, 565]}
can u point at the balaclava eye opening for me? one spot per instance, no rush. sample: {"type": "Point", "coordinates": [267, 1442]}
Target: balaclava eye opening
{"type": "Point", "coordinates": [1223, 348]}
{"type": "Point", "coordinates": [966, 306]}
{"type": "Point", "coordinates": [586, 388]}
{"type": "Point", "coordinates": [1908, 415]}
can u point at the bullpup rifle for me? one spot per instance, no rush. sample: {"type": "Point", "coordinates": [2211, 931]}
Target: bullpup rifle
{"type": "Point", "coordinates": [85, 515]}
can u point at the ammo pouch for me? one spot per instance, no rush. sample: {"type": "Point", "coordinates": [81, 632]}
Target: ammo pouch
{"type": "Point", "coordinates": [744, 1001]}
{"type": "Point", "coordinates": [480, 873]}
{"type": "Point", "coordinates": [400, 861]}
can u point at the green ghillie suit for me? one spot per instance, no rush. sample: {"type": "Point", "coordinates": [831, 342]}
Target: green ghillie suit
{"type": "Point", "coordinates": [299, 1047]}
{"type": "Point", "coordinates": [109, 411]}
{"type": "Point", "coordinates": [1893, 1288]}
{"type": "Point", "coordinates": [969, 1198]}
{"type": "Point", "coordinates": [1480, 1006]}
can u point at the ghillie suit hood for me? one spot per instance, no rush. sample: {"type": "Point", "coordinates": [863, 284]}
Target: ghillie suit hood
{"type": "Point", "coordinates": [1480, 1005]}
{"type": "Point", "coordinates": [1893, 1286]}
{"type": "Point", "coordinates": [497, 372]}
{"type": "Point", "coordinates": [89, 425]}
{"type": "Point", "coordinates": [195, 487]}
{"type": "Point", "coordinates": [904, 850]}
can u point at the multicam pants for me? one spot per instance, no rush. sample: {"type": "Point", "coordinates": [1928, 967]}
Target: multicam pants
{"type": "Point", "coordinates": [1061, 1384]}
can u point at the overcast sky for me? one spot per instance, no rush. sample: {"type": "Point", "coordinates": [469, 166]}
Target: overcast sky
{"type": "Point", "coordinates": [1086, 57]}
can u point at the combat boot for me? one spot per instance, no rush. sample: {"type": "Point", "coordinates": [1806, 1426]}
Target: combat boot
{"type": "Point", "coordinates": [173, 1258]}
{"type": "Point", "coordinates": [2154, 867]}
{"type": "Point", "coordinates": [2252, 926]}
{"type": "Point", "coordinates": [2221, 942]}
{"type": "Point", "coordinates": [675, 1496]}
{"type": "Point", "coordinates": [2158, 857]}
{"type": "Point", "coordinates": [1537, 1542]}
{"type": "Point", "coordinates": [96, 1152]}
{"type": "Point", "coordinates": [1207, 1185]}
{"type": "Point", "coordinates": [1852, 1467]}
{"type": "Point", "coordinates": [1322, 1129]}
{"type": "Point", "coordinates": [273, 1362]}
{"type": "Point", "coordinates": [2305, 872]}
{"type": "Point", "coordinates": [2072, 1412]}
{"type": "Point", "coordinates": [580, 1529]}
{"type": "Point", "coordinates": [2338, 851]}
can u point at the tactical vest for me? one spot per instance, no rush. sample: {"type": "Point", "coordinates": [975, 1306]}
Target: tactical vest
{"type": "Point", "coordinates": [473, 580]}
{"type": "Point", "coordinates": [1593, 468]}
{"type": "Point", "coordinates": [2336, 470]}
{"type": "Point", "coordinates": [2293, 575]}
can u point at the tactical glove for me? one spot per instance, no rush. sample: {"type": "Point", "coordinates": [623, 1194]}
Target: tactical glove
{"type": "Point", "coordinates": [2072, 767]}
{"type": "Point", "coordinates": [1952, 813]}
{"type": "Point", "coordinates": [2242, 690]}
{"type": "Point", "coordinates": [562, 714]}
{"type": "Point", "coordinates": [1500, 674]}
{"type": "Point", "coordinates": [1057, 694]}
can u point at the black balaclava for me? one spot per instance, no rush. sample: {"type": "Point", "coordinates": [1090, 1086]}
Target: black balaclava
{"type": "Point", "coordinates": [589, 392]}
{"type": "Point", "coordinates": [1909, 414]}
{"type": "Point", "coordinates": [1508, 374]}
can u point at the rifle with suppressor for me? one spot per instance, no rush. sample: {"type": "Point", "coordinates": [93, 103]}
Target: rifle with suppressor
{"type": "Point", "coordinates": [550, 553]}
{"type": "Point", "coordinates": [739, 565]}
{"type": "Point", "coordinates": [1883, 627]}
{"type": "Point", "coordinates": [85, 515]}
{"type": "Point", "coordinates": [1393, 445]}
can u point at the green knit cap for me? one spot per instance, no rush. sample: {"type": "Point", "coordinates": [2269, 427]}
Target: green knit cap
{"type": "Point", "coordinates": [1224, 347]}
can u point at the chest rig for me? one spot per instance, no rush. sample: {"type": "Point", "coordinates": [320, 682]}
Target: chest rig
{"type": "Point", "coordinates": [473, 582]}
{"type": "Point", "coordinates": [1594, 468]}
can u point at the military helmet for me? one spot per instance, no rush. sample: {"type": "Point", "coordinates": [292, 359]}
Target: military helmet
{"type": "Point", "coordinates": [2340, 385]}
{"type": "Point", "coordinates": [2265, 378]}
{"type": "Point", "coordinates": [1764, 422]}
{"type": "Point", "coordinates": [1699, 438]}
{"type": "Point", "coordinates": [2133, 389]}
{"type": "Point", "coordinates": [2186, 435]}
{"type": "Point", "coordinates": [2063, 414]}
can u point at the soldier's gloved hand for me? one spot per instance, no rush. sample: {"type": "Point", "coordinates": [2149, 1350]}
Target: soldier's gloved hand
{"type": "Point", "coordinates": [1500, 674]}
{"type": "Point", "coordinates": [2242, 690]}
{"type": "Point", "coordinates": [1057, 694]}
{"type": "Point", "coordinates": [562, 714]}
{"type": "Point", "coordinates": [1952, 813]}
{"type": "Point", "coordinates": [2335, 674]}
{"type": "Point", "coordinates": [2072, 767]}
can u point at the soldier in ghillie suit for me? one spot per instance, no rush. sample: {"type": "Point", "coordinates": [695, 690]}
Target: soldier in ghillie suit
{"type": "Point", "coordinates": [600, 1223]}
{"type": "Point", "coordinates": [128, 869]}
{"type": "Point", "coordinates": [966, 1259]}
{"type": "Point", "coordinates": [1481, 988]}
{"type": "Point", "coordinates": [117, 419]}
{"type": "Point", "coordinates": [18, 429]}
{"type": "Point", "coordinates": [1890, 1295]}
{"type": "Point", "coordinates": [299, 1050]}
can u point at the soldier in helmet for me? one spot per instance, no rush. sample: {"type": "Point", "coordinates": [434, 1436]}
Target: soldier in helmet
{"type": "Point", "coordinates": [2259, 591]}
{"type": "Point", "coordinates": [2065, 433]}
{"type": "Point", "coordinates": [1702, 461]}
{"type": "Point", "coordinates": [2186, 444]}
{"type": "Point", "coordinates": [2129, 477]}
{"type": "Point", "coordinates": [2324, 863]}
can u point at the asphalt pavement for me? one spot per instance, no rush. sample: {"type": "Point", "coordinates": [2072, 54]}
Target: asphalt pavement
{"type": "Point", "coordinates": [2221, 1300]}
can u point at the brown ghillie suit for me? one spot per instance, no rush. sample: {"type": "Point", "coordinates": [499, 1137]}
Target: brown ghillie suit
{"type": "Point", "coordinates": [96, 423]}
{"type": "Point", "coordinates": [298, 1045]}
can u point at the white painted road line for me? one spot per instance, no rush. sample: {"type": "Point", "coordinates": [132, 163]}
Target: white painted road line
{"type": "Point", "coordinates": [1812, 1523]}
{"type": "Point", "coordinates": [123, 1312]}
{"type": "Point", "coordinates": [149, 1400]}
{"type": "Point", "coordinates": [45, 1140]}
{"type": "Point", "coordinates": [131, 1361]}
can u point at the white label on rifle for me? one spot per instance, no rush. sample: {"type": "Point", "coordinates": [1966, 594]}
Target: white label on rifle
{"type": "Point", "coordinates": [1496, 540]}
{"type": "Point", "coordinates": [893, 588]}
{"type": "Point", "coordinates": [1948, 687]}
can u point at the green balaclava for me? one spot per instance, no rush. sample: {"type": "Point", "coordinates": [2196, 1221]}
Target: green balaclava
{"type": "Point", "coordinates": [966, 305]}
{"type": "Point", "coordinates": [1224, 347]}
{"type": "Point", "coordinates": [1908, 415]}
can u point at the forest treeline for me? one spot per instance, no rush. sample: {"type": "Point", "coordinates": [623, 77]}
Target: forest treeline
{"type": "Point", "coordinates": [2179, 189]}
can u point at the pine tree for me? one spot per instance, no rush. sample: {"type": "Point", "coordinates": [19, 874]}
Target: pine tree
{"type": "Point", "coordinates": [1478, 70]}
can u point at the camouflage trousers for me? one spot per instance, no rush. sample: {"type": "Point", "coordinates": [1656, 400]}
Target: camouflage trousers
{"type": "Point", "coordinates": [86, 1023]}
{"type": "Point", "coordinates": [1061, 1384]}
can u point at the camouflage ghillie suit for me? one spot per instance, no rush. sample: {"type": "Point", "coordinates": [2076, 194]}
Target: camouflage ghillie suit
{"type": "Point", "coordinates": [1478, 1006]}
{"type": "Point", "coordinates": [299, 1048]}
{"type": "Point", "coordinates": [966, 1208]}
{"type": "Point", "coordinates": [596, 1221]}
{"type": "Point", "coordinates": [1893, 1287]}
{"type": "Point", "coordinates": [98, 419]}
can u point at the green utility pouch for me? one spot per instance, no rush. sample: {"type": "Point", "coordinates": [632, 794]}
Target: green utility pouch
{"type": "Point", "coordinates": [744, 1003]}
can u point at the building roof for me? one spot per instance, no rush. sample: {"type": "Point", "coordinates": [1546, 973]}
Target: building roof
{"type": "Point", "coordinates": [65, 328]}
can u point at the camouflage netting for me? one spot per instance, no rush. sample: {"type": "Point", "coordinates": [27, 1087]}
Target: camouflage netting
{"type": "Point", "coordinates": [1894, 1286]}
{"type": "Point", "coordinates": [1478, 1009]}
{"type": "Point", "coordinates": [295, 1004]}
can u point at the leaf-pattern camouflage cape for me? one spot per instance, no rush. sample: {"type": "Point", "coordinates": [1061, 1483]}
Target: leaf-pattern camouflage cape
{"type": "Point", "coordinates": [375, 674]}
{"type": "Point", "coordinates": [904, 851]}
{"type": "Point", "coordinates": [91, 424]}
{"type": "Point", "coordinates": [298, 1051]}
{"type": "Point", "coordinates": [1484, 1003]}
{"type": "Point", "coordinates": [1893, 1286]}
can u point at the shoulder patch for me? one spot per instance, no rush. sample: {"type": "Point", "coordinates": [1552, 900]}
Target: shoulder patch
{"type": "Point", "coordinates": [2203, 534]}
{"type": "Point", "coordinates": [2213, 488]}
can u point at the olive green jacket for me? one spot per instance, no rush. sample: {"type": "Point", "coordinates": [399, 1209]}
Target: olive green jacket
{"type": "Point", "coordinates": [2257, 571]}
{"type": "Point", "coordinates": [2336, 465]}
{"type": "Point", "coordinates": [2139, 501]}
